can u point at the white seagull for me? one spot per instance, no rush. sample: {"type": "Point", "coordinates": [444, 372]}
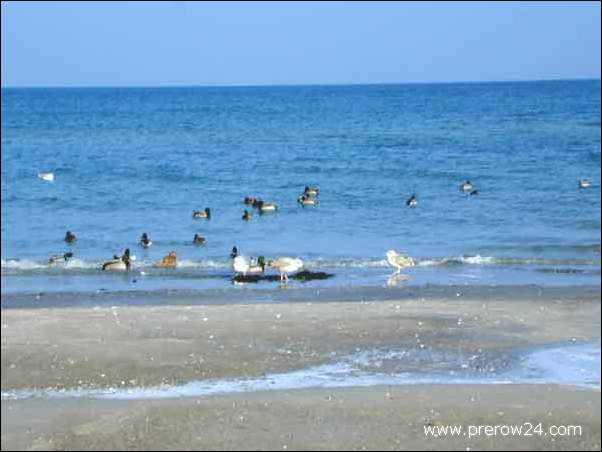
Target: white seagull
{"type": "Point", "coordinates": [286, 265]}
{"type": "Point", "coordinates": [399, 261]}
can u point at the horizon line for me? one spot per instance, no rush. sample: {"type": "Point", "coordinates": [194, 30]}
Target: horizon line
{"type": "Point", "coordinates": [275, 85]}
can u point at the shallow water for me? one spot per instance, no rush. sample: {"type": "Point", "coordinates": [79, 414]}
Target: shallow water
{"type": "Point", "coordinates": [567, 364]}
{"type": "Point", "coordinates": [128, 161]}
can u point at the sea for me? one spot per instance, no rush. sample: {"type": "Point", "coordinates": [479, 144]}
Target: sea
{"type": "Point", "coordinates": [131, 160]}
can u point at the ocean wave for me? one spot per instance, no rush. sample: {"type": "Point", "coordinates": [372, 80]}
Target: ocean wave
{"type": "Point", "coordinates": [17, 266]}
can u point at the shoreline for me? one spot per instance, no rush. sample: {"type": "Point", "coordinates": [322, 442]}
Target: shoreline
{"type": "Point", "coordinates": [244, 294]}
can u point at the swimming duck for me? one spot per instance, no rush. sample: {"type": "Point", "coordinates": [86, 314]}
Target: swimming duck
{"type": "Point", "coordinates": [466, 186]}
{"type": "Point", "coordinates": [286, 265]}
{"type": "Point", "coordinates": [250, 200]}
{"type": "Point", "coordinates": [198, 240]}
{"type": "Point", "coordinates": [56, 259]}
{"type": "Point", "coordinates": [145, 242]}
{"type": "Point", "coordinates": [311, 191]}
{"type": "Point", "coordinates": [202, 213]}
{"type": "Point", "coordinates": [412, 201]}
{"type": "Point", "coordinates": [265, 207]}
{"type": "Point", "coordinates": [168, 261]}
{"type": "Point", "coordinates": [244, 265]}
{"type": "Point", "coordinates": [246, 215]}
{"type": "Point", "coordinates": [119, 263]}
{"type": "Point", "coordinates": [584, 183]}
{"type": "Point", "coordinates": [70, 237]}
{"type": "Point", "coordinates": [399, 261]}
{"type": "Point", "coordinates": [306, 200]}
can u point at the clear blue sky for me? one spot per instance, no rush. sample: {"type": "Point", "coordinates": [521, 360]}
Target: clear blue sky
{"type": "Point", "coordinates": [180, 43]}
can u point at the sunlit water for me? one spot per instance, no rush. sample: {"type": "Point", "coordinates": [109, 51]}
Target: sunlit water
{"type": "Point", "coordinates": [128, 161]}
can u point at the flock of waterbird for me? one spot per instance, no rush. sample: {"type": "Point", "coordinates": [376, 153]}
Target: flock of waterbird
{"type": "Point", "coordinates": [243, 265]}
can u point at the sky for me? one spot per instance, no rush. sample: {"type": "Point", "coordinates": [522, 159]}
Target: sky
{"type": "Point", "coordinates": [273, 43]}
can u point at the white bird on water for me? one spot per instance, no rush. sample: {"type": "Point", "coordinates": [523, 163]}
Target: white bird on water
{"type": "Point", "coordinates": [49, 177]}
{"type": "Point", "coordinates": [286, 265]}
{"type": "Point", "coordinates": [399, 261]}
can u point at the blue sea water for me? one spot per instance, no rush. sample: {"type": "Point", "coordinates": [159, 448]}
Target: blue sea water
{"type": "Point", "coordinates": [133, 160]}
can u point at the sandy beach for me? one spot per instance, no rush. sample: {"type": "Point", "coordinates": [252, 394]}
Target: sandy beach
{"type": "Point", "coordinates": [125, 347]}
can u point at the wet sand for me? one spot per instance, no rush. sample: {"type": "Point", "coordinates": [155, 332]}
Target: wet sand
{"type": "Point", "coordinates": [377, 418]}
{"type": "Point", "coordinates": [120, 347]}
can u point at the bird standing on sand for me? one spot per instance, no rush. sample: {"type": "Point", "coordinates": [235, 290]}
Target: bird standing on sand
{"type": "Point", "coordinates": [286, 265]}
{"type": "Point", "coordinates": [398, 260]}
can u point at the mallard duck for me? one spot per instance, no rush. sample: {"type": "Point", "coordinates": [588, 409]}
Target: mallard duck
{"type": "Point", "coordinates": [412, 201]}
{"type": "Point", "coordinates": [247, 216]}
{"type": "Point", "coordinates": [202, 213]}
{"type": "Point", "coordinates": [286, 265]}
{"type": "Point", "coordinates": [244, 265]}
{"type": "Point", "coordinates": [584, 183]}
{"type": "Point", "coordinates": [168, 261]}
{"type": "Point", "coordinates": [145, 242]}
{"type": "Point", "coordinates": [119, 263]}
{"type": "Point", "coordinates": [306, 200]}
{"type": "Point", "coordinates": [58, 258]}
{"type": "Point", "coordinates": [399, 261]}
{"type": "Point", "coordinates": [198, 240]}
{"type": "Point", "coordinates": [466, 186]}
{"type": "Point", "coordinates": [70, 237]}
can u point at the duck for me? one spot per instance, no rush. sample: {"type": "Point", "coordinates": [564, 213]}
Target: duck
{"type": "Point", "coordinates": [168, 261]}
{"type": "Point", "coordinates": [198, 240]}
{"type": "Point", "coordinates": [202, 213]}
{"type": "Point", "coordinates": [265, 207]}
{"type": "Point", "coordinates": [466, 186]}
{"type": "Point", "coordinates": [311, 191]}
{"type": "Point", "coordinates": [48, 177]}
{"type": "Point", "coordinates": [584, 183]}
{"type": "Point", "coordinates": [244, 265]}
{"type": "Point", "coordinates": [58, 258]}
{"type": "Point", "coordinates": [306, 200]}
{"type": "Point", "coordinates": [247, 216]}
{"type": "Point", "coordinates": [250, 200]}
{"type": "Point", "coordinates": [145, 242]}
{"type": "Point", "coordinates": [119, 263]}
{"type": "Point", "coordinates": [412, 201]}
{"type": "Point", "coordinates": [70, 237]}
{"type": "Point", "coordinates": [286, 265]}
{"type": "Point", "coordinates": [398, 260]}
